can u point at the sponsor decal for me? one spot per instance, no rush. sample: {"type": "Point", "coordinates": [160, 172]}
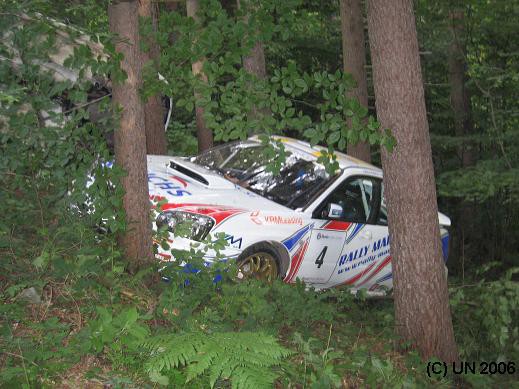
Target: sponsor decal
{"type": "Point", "coordinates": [320, 236]}
{"type": "Point", "coordinates": [284, 220]}
{"type": "Point", "coordinates": [381, 243]}
{"type": "Point", "coordinates": [178, 179]}
{"type": "Point", "coordinates": [174, 187]}
{"type": "Point", "coordinates": [364, 255]}
{"type": "Point", "coordinates": [274, 219]}
{"type": "Point", "coordinates": [254, 217]}
{"type": "Point", "coordinates": [234, 242]}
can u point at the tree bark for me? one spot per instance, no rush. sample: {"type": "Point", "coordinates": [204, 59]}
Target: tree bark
{"type": "Point", "coordinates": [463, 125]}
{"type": "Point", "coordinates": [204, 134]}
{"type": "Point", "coordinates": [130, 138]}
{"type": "Point", "coordinates": [254, 63]}
{"type": "Point", "coordinates": [422, 310]}
{"type": "Point", "coordinates": [156, 142]}
{"type": "Point", "coordinates": [354, 62]}
{"type": "Point", "coordinates": [460, 98]}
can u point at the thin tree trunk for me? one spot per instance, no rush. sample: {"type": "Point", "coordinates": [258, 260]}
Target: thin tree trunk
{"type": "Point", "coordinates": [422, 310]}
{"type": "Point", "coordinates": [130, 138]}
{"type": "Point", "coordinates": [354, 62]}
{"type": "Point", "coordinates": [171, 6]}
{"type": "Point", "coordinates": [463, 126]}
{"type": "Point", "coordinates": [204, 134]}
{"type": "Point", "coordinates": [156, 142]}
{"type": "Point", "coordinates": [254, 63]}
{"type": "Point", "coordinates": [459, 94]}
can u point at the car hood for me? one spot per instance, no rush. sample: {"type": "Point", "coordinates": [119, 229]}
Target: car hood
{"type": "Point", "coordinates": [179, 181]}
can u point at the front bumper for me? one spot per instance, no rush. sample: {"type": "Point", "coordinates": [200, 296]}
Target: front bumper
{"type": "Point", "coordinates": [182, 249]}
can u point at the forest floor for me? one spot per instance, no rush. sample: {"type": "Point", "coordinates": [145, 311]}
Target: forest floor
{"type": "Point", "coordinates": [86, 328]}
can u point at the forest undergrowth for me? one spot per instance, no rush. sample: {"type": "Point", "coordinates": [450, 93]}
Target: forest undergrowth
{"type": "Point", "coordinates": [71, 316]}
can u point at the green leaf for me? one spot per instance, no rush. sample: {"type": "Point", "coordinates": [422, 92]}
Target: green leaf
{"type": "Point", "coordinates": [158, 378]}
{"type": "Point", "coordinates": [334, 137]}
{"type": "Point", "coordinates": [42, 260]}
{"type": "Point", "coordinates": [301, 83]}
{"type": "Point", "coordinates": [287, 89]}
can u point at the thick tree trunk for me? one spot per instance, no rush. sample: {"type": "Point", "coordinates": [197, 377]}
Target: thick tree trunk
{"type": "Point", "coordinates": [459, 95]}
{"type": "Point", "coordinates": [156, 142]}
{"type": "Point", "coordinates": [204, 134]}
{"type": "Point", "coordinates": [130, 138]}
{"type": "Point", "coordinates": [422, 310]}
{"type": "Point", "coordinates": [354, 62]}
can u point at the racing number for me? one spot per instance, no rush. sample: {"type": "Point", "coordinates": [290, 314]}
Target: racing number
{"type": "Point", "coordinates": [320, 258]}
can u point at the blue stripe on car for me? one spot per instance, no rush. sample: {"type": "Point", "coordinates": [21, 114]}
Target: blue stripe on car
{"type": "Point", "coordinates": [445, 247]}
{"type": "Point", "coordinates": [291, 241]}
{"type": "Point", "coordinates": [355, 231]}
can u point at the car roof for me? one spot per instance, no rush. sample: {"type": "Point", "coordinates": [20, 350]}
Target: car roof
{"type": "Point", "coordinates": [344, 160]}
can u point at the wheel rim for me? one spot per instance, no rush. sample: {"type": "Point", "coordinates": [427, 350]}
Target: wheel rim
{"type": "Point", "coordinates": [261, 266]}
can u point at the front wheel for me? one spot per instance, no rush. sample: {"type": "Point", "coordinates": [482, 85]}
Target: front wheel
{"type": "Point", "coordinates": [262, 265]}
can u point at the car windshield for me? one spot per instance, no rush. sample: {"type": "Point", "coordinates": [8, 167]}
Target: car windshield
{"type": "Point", "coordinates": [245, 164]}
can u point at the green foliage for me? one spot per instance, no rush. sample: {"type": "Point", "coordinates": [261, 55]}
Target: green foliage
{"type": "Point", "coordinates": [488, 313]}
{"type": "Point", "coordinates": [236, 103]}
{"type": "Point", "coordinates": [242, 357]}
{"type": "Point", "coordinates": [319, 367]}
{"type": "Point", "coordinates": [488, 186]}
{"type": "Point", "coordinates": [182, 138]}
{"type": "Point", "coordinates": [190, 331]}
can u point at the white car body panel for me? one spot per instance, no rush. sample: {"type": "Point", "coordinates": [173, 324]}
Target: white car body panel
{"type": "Point", "coordinates": [323, 253]}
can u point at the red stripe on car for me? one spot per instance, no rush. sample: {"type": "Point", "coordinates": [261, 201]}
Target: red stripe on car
{"type": "Point", "coordinates": [337, 225]}
{"type": "Point", "coordinates": [361, 274]}
{"type": "Point", "coordinates": [296, 262]}
{"type": "Point", "coordinates": [383, 264]}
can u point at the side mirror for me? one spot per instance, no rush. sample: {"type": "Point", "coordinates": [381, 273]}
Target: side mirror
{"type": "Point", "coordinates": [333, 211]}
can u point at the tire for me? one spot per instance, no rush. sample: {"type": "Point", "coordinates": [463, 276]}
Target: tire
{"type": "Point", "coordinates": [262, 261]}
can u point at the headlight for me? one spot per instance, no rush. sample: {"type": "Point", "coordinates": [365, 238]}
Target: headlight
{"type": "Point", "coordinates": [195, 226]}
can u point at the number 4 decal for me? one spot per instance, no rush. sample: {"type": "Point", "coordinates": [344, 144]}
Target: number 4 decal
{"type": "Point", "coordinates": [320, 258]}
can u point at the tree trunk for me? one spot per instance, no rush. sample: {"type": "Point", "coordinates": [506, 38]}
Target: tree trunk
{"type": "Point", "coordinates": [460, 98]}
{"type": "Point", "coordinates": [422, 310]}
{"type": "Point", "coordinates": [254, 63]}
{"type": "Point", "coordinates": [354, 62]}
{"type": "Point", "coordinates": [156, 142]}
{"type": "Point", "coordinates": [204, 134]}
{"type": "Point", "coordinates": [130, 138]}
{"type": "Point", "coordinates": [463, 126]}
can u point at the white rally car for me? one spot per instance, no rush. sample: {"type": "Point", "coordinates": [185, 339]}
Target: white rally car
{"type": "Point", "coordinates": [300, 224]}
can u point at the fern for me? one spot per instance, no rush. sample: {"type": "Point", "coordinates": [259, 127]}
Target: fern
{"type": "Point", "coordinates": [245, 358]}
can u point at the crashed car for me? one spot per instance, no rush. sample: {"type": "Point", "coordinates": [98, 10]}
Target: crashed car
{"type": "Point", "coordinates": [303, 223]}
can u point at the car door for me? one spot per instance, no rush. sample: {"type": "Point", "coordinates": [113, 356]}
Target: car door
{"type": "Point", "coordinates": [324, 247]}
{"type": "Point", "coordinates": [365, 262]}
{"type": "Point", "coordinates": [346, 244]}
